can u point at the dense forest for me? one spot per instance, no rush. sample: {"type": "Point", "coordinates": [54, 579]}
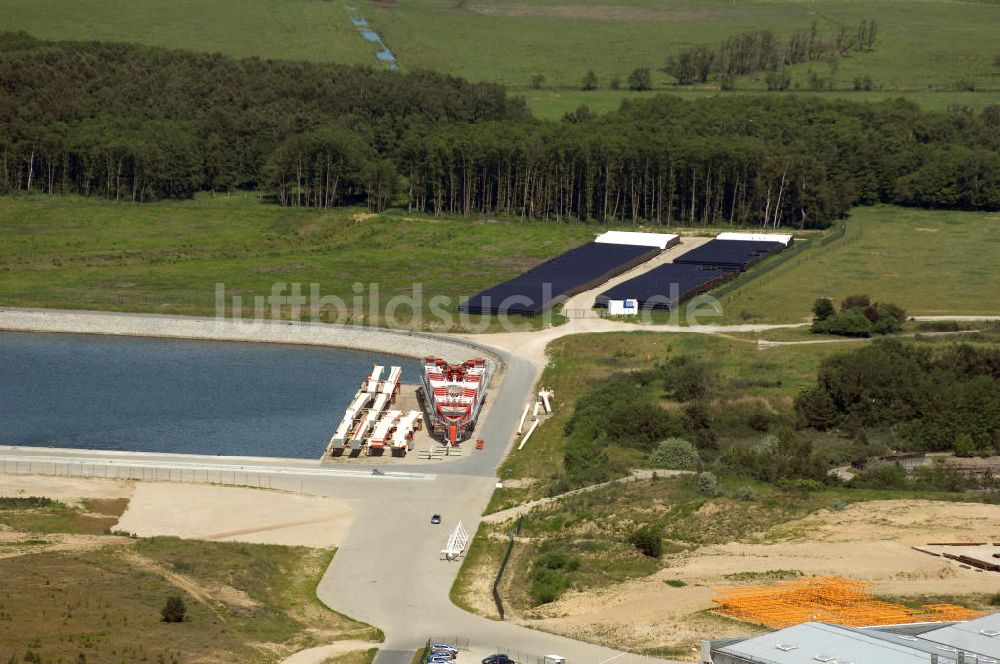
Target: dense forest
{"type": "Point", "coordinates": [136, 123]}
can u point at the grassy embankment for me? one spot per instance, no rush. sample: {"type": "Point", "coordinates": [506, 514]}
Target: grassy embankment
{"type": "Point", "coordinates": [167, 257]}
{"type": "Point", "coordinates": [71, 588]}
{"type": "Point", "coordinates": [926, 51]}
{"type": "Point", "coordinates": [930, 262]}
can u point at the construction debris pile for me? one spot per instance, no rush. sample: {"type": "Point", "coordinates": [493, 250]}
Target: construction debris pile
{"type": "Point", "coordinates": [978, 556]}
{"type": "Point", "coordinates": [830, 599]}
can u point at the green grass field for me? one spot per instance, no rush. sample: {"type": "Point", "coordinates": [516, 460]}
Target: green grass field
{"type": "Point", "coordinates": [924, 49]}
{"type": "Point", "coordinates": [929, 262]}
{"type": "Point", "coordinates": [167, 257]}
{"type": "Point", "coordinates": [287, 29]}
{"type": "Point", "coordinates": [920, 45]}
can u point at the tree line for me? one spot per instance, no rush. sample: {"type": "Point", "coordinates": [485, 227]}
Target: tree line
{"type": "Point", "coordinates": [136, 123]}
{"type": "Point", "coordinates": [763, 50]}
{"type": "Point", "coordinates": [799, 162]}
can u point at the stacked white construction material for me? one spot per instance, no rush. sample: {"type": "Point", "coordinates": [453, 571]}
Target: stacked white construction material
{"type": "Point", "coordinates": [380, 434]}
{"type": "Point", "coordinates": [383, 393]}
{"type": "Point", "coordinates": [404, 429]}
{"type": "Point", "coordinates": [392, 382]}
{"type": "Point", "coordinates": [346, 427]}
{"type": "Point", "coordinates": [756, 237]}
{"type": "Point", "coordinates": [659, 240]}
{"type": "Point", "coordinates": [373, 379]}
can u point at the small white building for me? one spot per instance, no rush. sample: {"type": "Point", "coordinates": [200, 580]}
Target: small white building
{"type": "Point", "coordinates": [659, 240]}
{"type": "Point", "coordinates": [628, 307]}
{"type": "Point", "coordinates": [756, 237]}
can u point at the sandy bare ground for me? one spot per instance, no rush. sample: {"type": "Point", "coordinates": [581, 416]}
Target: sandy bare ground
{"type": "Point", "coordinates": [70, 490]}
{"type": "Point", "coordinates": [320, 654]}
{"type": "Point", "coordinates": [866, 541]}
{"type": "Point", "coordinates": [194, 511]}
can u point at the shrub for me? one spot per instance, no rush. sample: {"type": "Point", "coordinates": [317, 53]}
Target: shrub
{"type": "Point", "coordinates": [547, 585]}
{"type": "Point", "coordinates": [965, 446]}
{"type": "Point", "coordinates": [816, 407]}
{"type": "Point", "coordinates": [778, 80]}
{"type": "Point", "coordinates": [537, 81]}
{"type": "Point", "coordinates": [174, 611]}
{"type": "Point", "coordinates": [589, 81]}
{"type": "Point", "coordinates": [880, 474]}
{"type": "Point", "coordinates": [687, 379]}
{"type": "Point", "coordinates": [675, 453]}
{"type": "Point", "coordinates": [746, 493]}
{"type": "Point", "coordinates": [708, 484]}
{"type": "Point", "coordinates": [677, 583]}
{"type": "Point", "coordinates": [799, 484]}
{"type": "Point", "coordinates": [549, 575]}
{"type": "Point", "coordinates": [851, 323]}
{"type": "Point", "coordinates": [640, 79]}
{"type": "Point", "coordinates": [823, 308]}
{"type": "Point", "coordinates": [647, 539]}
{"type": "Point", "coordinates": [786, 456]}
{"type": "Point", "coordinates": [557, 559]}
{"type": "Point", "coordinates": [855, 302]}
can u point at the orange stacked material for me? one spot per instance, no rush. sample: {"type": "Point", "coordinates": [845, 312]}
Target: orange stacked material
{"type": "Point", "coordinates": [948, 613]}
{"type": "Point", "coordinates": [831, 599]}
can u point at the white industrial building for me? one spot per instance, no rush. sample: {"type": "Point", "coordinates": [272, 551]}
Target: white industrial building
{"type": "Point", "coordinates": [971, 642]}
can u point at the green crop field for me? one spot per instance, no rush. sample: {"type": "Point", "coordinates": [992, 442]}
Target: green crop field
{"type": "Point", "coordinates": [167, 257]}
{"type": "Point", "coordinates": [930, 262]}
{"type": "Point", "coordinates": [924, 50]}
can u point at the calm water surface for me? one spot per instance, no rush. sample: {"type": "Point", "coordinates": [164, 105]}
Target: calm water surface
{"type": "Point", "coordinates": [162, 395]}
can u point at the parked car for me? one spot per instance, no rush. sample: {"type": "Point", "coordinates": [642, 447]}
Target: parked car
{"type": "Point", "coordinates": [499, 658]}
{"type": "Point", "coordinates": [446, 655]}
{"type": "Point", "coordinates": [436, 518]}
{"type": "Point", "coordinates": [441, 658]}
{"type": "Point", "coordinates": [445, 647]}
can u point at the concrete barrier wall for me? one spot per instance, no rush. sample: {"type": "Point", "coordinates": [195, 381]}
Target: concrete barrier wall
{"type": "Point", "coordinates": [394, 342]}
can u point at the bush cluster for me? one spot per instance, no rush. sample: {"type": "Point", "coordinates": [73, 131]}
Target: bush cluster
{"type": "Point", "coordinates": [675, 454]}
{"type": "Point", "coordinates": [647, 539]}
{"type": "Point", "coordinates": [550, 575]}
{"type": "Point", "coordinates": [930, 399]}
{"type": "Point", "coordinates": [858, 317]}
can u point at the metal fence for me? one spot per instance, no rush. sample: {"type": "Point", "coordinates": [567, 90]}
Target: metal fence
{"type": "Point", "coordinates": [792, 257]}
{"type": "Point", "coordinates": [522, 657]}
{"type": "Point", "coordinates": [503, 568]}
{"type": "Point", "coordinates": [124, 471]}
